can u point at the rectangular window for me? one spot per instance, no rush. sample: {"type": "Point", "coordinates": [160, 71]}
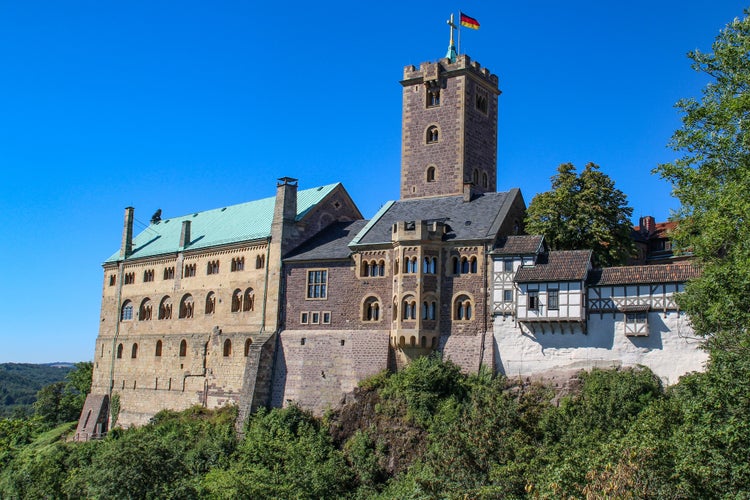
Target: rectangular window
{"type": "Point", "coordinates": [533, 300]}
{"type": "Point", "coordinates": [326, 318]}
{"type": "Point", "coordinates": [553, 299]}
{"type": "Point", "coordinates": [508, 266]}
{"type": "Point", "coordinates": [317, 284]}
{"type": "Point", "coordinates": [304, 318]}
{"type": "Point", "coordinates": [507, 295]}
{"type": "Point", "coordinates": [314, 318]}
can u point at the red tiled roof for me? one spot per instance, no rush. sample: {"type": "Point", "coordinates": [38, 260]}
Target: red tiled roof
{"type": "Point", "coordinates": [631, 275]}
{"type": "Point", "coordinates": [564, 265]}
{"type": "Point", "coordinates": [518, 245]}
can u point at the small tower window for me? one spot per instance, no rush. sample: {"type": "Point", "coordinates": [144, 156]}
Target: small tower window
{"type": "Point", "coordinates": [433, 97]}
{"type": "Point", "coordinates": [431, 174]}
{"type": "Point", "coordinates": [432, 134]}
{"type": "Point", "coordinates": [481, 102]}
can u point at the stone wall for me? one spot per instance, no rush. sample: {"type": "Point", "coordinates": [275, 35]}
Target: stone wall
{"type": "Point", "coordinates": [670, 350]}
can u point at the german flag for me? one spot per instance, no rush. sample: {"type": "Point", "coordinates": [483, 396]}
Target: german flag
{"type": "Point", "coordinates": [469, 22]}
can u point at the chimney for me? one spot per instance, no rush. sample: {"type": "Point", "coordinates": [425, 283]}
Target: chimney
{"type": "Point", "coordinates": [286, 200]}
{"type": "Point", "coordinates": [127, 234]}
{"type": "Point", "coordinates": [468, 191]}
{"type": "Point", "coordinates": [185, 234]}
{"type": "Point", "coordinates": [648, 224]}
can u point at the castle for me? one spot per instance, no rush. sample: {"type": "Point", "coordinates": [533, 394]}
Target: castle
{"type": "Point", "coordinates": [296, 298]}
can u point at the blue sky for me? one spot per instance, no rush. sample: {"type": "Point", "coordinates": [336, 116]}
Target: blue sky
{"type": "Point", "coordinates": [188, 105]}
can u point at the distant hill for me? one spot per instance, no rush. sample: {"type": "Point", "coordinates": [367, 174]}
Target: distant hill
{"type": "Point", "coordinates": [19, 383]}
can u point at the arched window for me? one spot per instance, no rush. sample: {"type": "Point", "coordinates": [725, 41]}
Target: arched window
{"type": "Point", "coordinates": [433, 265]}
{"type": "Point", "coordinates": [260, 261]}
{"type": "Point", "coordinates": [134, 351]}
{"type": "Point", "coordinates": [371, 309]}
{"type": "Point", "coordinates": [464, 265]}
{"type": "Point", "coordinates": [413, 341]}
{"type": "Point", "coordinates": [381, 268]}
{"type": "Point", "coordinates": [248, 343]}
{"type": "Point", "coordinates": [236, 300]}
{"type": "Point", "coordinates": [394, 316]}
{"type": "Point", "coordinates": [365, 268]}
{"type": "Point", "coordinates": [227, 348]}
{"type": "Point", "coordinates": [248, 301]}
{"type": "Point", "coordinates": [455, 265]}
{"type": "Point", "coordinates": [409, 306]}
{"type": "Point", "coordinates": [127, 311]}
{"type": "Point", "coordinates": [425, 310]}
{"type": "Point", "coordinates": [462, 310]}
{"type": "Point", "coordinates": [119, 351]}
{"type": "Point", "coordinates": [473, 265]}
{"type": "Point", "coordinates": [432, 134]}
{"type": "Point", "coordinates": [165, 308]}
{"type": "Point", "coordinates": [485, 183]}
{"type": "Point", "coordinates": [210, 303]}
{"type": "Point", "coordinates": [144, 312]}
{"type": "Point", "coordinates": [157, 353]}
{"type": "Point", "coordinates": [430, 174]}
{"type": "Point", "coordinates": [186, 306]}
{"type": "Point", "coordinates": [183, 348]}
{"type": "Point", "coordinates": [475, 177]}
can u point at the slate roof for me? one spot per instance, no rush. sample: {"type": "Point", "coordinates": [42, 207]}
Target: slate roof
{"type": "Point", "coordinates": [329, 244]}
{"type": "Point", "coordinates": [563, 265]}
{"type": "Point", "coordinates": [519, 245]}
{"type": "Point", "coordinates": [476, 220]}
{"type": "Point", "coordinates": [221, 226]}
{"type": "Point", "coordinates": [632, 275]}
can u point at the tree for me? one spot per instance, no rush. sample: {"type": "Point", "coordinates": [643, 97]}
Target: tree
{"type": "Point", "coordinates": [581, 212]}
{"type": "Point", "coordinates": [711, 180]}
{"type": "Point", "coordinates": [62, 402]}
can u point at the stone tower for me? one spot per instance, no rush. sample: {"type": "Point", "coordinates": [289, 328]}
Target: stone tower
{"type": "Point", "coordinates": [449, 129]}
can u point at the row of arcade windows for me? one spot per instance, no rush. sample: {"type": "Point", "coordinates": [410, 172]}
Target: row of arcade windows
{"type": "Point", "coordinates": [242, 301]}
{"type": "Point", "coordinates": [373, 268]}
{"type": "Point", "coordinates": [429, 265]}
{"type": "Point", "coordinates": [413, 342]}
{"type": "Point", "coordinates": [226, 349]}
{"type": "Point", "coordinates": [464, 265]}
{"type": "Point", "coordinates": [462, 309]}
{"type": "Point", "coordinates": [190, 270]}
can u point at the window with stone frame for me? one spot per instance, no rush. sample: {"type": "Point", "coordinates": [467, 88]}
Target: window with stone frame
{"type": "Point", "coordinates": [481, 100]}
{"type": "Point", "coordinates": [129, 278]}
{"type": "Point", "coordinates": [238, 264]}
{"type": "Point", "coordinates": [432, 135]}
{"type": "Point", "coordinates": [127, 311]}
{"type": "Point", "coordinates": [169, 273]}
{"type": "Point", "coordinates": [187, 307]}
{"type": "Point", "coordinates": [112, 279]}
{"type": "Point", "coordinates": [431, 174]}
{"type": "Point", "coordinates": [210, 303]}
{"type": "Point", "coordinates": [148, 275]}
{"type": "Point", "coordinates": [317, 284]}
{"type": "Point", "coordinates": [371, 309]}
{"type": "Point", "coordinates": [189, 271]}
{"type": "Point", "coordinates": [145, 310]}
{"type": "Point", "coordinates": [212, 267]}
{"type": "Point", "coordinates": [462, 308]}
{"type": "Point", "coordinates": [433, 96]}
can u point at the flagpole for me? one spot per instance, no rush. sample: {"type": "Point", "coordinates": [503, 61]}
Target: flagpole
{"type": "Point", "coordinates": [459, 32]}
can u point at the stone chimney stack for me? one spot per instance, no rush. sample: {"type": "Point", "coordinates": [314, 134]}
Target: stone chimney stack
{"type": "Point", "coordinates": [468, 191]}
{"type": "Point", "coordinates": [648, 224]}
{"type": "Point", "coordinates": [286, 200]}
{"type": "Point", "coordinates": [185, 234]}
{"type": "Point", "coordinates": [127, 234]}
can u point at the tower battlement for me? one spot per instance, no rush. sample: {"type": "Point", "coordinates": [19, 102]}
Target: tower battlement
{"type": "Point", "coordinates": [433, 70]}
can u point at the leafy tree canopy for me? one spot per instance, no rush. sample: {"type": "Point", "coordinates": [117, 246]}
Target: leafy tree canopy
{"type": "Point", "coordinates": [583, 211]}
{"type": "Point", "coordinates": [712, 181]}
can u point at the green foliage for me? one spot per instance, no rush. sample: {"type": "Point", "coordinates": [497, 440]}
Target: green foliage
{"type": "Point", "coordinates": [62, 402]}
{"type": "Point", "coordinates": [114, 409]}
{"type": "Point", "coordinates": [582, 212]}
{"type": "Point", "coordinates": [425, 384]}
{"type": "Point", "coordinates": [285, 454]}
{"type": "Point", "coordinates": [711, 180]}
{"type": "Point", "coordinates": [19, 383]}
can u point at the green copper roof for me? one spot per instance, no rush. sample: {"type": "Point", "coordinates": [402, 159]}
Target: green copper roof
{"type": "Point", "coordinates": [220, 226]}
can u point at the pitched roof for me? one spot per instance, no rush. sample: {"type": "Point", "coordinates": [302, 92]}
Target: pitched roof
{"type": "Point", "coordinates": [519, 245]}
{"type": "Point", "coordinates": [329, 244]}
{"type": "Point", "coordinates": [220, 226]}
{"type": "Point", "coordinates": [475, 220]}
{"type": "Point", "coordinates": [563, 265]}
{"type": "Point", "coordinates": [631, 275]}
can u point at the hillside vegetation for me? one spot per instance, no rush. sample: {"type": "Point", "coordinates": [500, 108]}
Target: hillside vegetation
{"type": "Point", "coordinates": [19, 383]}
{"type": "Point", "coordinates": [428, 431]}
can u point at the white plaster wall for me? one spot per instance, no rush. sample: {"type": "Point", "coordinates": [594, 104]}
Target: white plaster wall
{"type": "Point", "coordinates": [670, 350]}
